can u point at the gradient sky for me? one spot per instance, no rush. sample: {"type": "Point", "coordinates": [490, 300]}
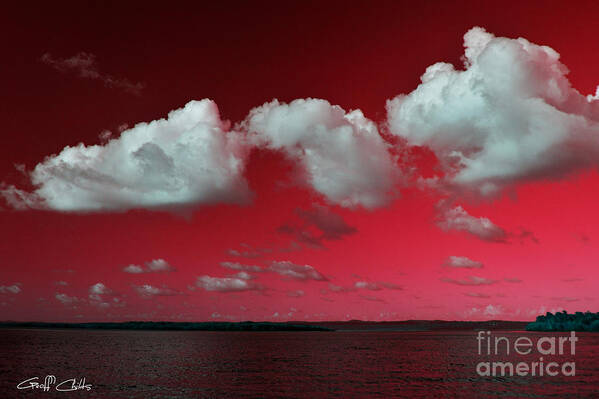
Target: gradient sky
{"type": "Point", "coordinates": [474, 197]}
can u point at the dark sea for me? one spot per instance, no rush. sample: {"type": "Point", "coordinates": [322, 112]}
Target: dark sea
{"type": "Point", "coordinates": [341, 364]}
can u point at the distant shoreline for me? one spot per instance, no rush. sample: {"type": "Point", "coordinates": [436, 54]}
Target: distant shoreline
{"type": "Point", "coordinates": [170, 326]}
{"type": "Point", "coordinates": [352, 325]}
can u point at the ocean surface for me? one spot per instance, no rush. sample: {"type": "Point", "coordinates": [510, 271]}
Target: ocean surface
{"type": "Point", "coordinates": [340, 364]}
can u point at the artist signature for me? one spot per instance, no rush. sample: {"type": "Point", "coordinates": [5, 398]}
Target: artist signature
{"type": "Point", "coordinates": [71, 384]}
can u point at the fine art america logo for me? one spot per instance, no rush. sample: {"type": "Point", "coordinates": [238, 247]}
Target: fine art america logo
{"type": "Point", "coordinates": [489, 345]}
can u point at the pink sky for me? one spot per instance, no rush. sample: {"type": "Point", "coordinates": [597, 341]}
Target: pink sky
{"type": "Point", "coordinates": [465, 191]}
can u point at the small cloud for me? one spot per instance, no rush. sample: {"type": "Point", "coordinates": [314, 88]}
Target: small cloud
{"type": "Point", "coordinates": [457, 219]}
{"type": "Point", "coordinates": [10, 289]}
{"type": "Point", "coordinates": [296, 294]}
{"type": "Point", "coordinates": [248, 251]}
{"type": "Point", "coordinates": [226, 284]}
{"type": "Point", "coordinates": [525, 235]}
{"type": "Point", "coordinates": [477, 295]}
{"type": "Point", "coordinates": [472, 280]}
{"type": "Point", "coordinates": [331, 225]}
{"type": "Point", "coordinates": [463, 262]}
{"type": "Point", "coordinates": [493, 311]}
{"type": "Point", "coordinates": [159, 265]}
{"type": "Point", "coordinates": [148, 290]}
{"type": "Point", "coordinates": [99, 289]}
{"type": "Point", "coordinates": [367, 285]}
{"type": "Point", "coordinates": [372, 298]}
{"type": "Point", "coordinates": [318, 225]}
{"type": "Point", "coordinates": [376, 286]}
{"type": "Point", "coordinates": [133, 269]}
{"type": "Point", "coordinates": [244, 276]}
{"type": "Point", "coordinates": [242, 267]}
{"type": "Point", "coordinates": [337, 288]}
{"type": "Point", "coordinates": [65, 299]}
{"type": "Point", "coordinates": [296, 272]}
{"type": "Point", "coordinates": [61, 283]}
{"type": "Point", "coordinates": [84, 65]}
{"type": "Point", "coordinates": [153, 266]}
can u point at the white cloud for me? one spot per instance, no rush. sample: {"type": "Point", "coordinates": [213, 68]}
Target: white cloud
{"type": "Point", "coordinates": [296, 272]}
{"type": "Point", "coordinates": [337, 289]}
{"type": "Point", "coordinates": [226, 284]}
{"type": "Point", "coordinates": [472, 280]}
{"type": "Point", "coordinates": [153, 266]}
{"type": "Point", "coordinates": [239, 266]}
{"type": "Point", "coordinates": [463, 262]}
{"type": "Point", "coordinates": [186, 159]}
{"type": "Point", "coordinates": [10, 289]}
{"type": "Point", "coordinates": [159, 265]}
{"type": "Point", "coordinates": [148, 290]}
{"type": "Point", "coordinates": [491, 310]}
{"type": "Point", "coordinates": [511, 116]}
{"type": "Point", "coordinates": [367, 285]}
{"type": "Point", "coordinates": [99, 289]}
{"type": "Point", "coordinates": [372, 286]}
{"type": "Point", "coordinates": [65, 299]}
{"type": "Point", "coordinates": [460, 220]}
{"type": "Point", "coordinates": [244, 276]}
{"type": "Point", "coordinates": [341, 154]}
{"type": "Point", "coordinates": [133, 269]}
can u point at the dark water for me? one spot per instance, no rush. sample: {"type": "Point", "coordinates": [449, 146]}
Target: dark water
{"type": "Point", "coordinates": [192, 364]}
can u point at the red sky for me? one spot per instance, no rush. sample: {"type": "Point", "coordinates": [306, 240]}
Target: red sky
{"type": "Point", "coordinates": [73, 71]}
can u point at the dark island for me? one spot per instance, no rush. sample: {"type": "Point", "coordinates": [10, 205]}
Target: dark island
{"type": "Point", "coordinates": [562, 321]}
{"type": "Point", "coordinates": [166, 325]}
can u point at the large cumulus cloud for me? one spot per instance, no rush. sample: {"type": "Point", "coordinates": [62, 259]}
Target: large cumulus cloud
{"type": "Point", "coordinates": [188, 158]}
{"type": "Point", "coordinates": [341, 154]}
{"type": "Point", "coordinates": [510, 116]}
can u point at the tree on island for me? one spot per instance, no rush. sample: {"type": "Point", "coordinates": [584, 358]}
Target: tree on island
{"type": "Point", "coordinates": [563, 321]}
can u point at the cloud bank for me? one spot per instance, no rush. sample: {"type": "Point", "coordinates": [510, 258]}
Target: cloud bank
{"type": "Point", "coordinates": [510, 116]}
